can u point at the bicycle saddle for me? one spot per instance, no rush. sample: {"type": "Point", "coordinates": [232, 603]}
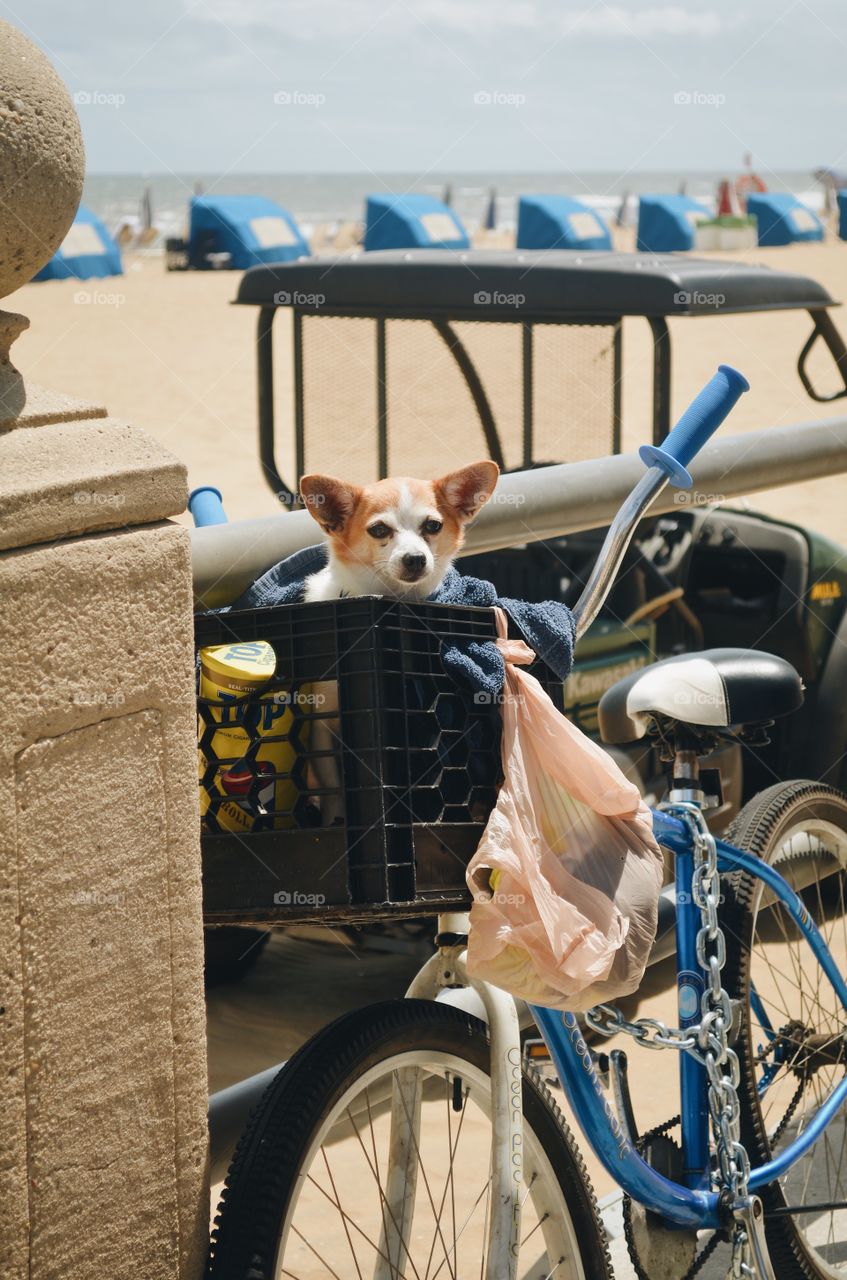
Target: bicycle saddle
{"type": "Point", "coordinates": [716, 688]}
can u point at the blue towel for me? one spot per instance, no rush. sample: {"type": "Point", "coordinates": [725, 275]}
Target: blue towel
{"type": "Point", "coordinates": [548, 628]}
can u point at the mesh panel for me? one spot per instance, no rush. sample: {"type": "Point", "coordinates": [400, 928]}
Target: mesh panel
{"type": "Point", "coordinates": [432, 420]}
{"type": "Point", "coordinates": [340, 397]}
{"type": "Point", "coordinates": [573, 392]}
{"type": "Point", "coordinates": [433, 424]}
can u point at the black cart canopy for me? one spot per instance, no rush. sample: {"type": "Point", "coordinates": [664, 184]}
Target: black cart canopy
{"type": "Point", "coordinates": [561, 285]}
{"type": "Point", "coordinates": [405, 362]}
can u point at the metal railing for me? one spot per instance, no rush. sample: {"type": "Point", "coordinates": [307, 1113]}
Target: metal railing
{"type": "Point", "coordinates": [529, 506]}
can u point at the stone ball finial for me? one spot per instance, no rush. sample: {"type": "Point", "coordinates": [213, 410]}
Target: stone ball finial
{"type": "Point", "coordinates": [42, 160]}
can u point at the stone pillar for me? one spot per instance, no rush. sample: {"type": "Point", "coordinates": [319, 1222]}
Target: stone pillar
{"type": "Point", "coordinates": [103, 1145]}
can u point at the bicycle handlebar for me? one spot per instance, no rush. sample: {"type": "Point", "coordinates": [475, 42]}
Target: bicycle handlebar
{"type": "Point", "coordinates": [206, 506]}
{"type": "Point", "coordinates": [666, 463]}
{"type": "Point", "coordinates": [696, 426]}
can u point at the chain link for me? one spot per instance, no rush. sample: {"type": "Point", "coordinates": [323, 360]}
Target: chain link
{"type": "Point", "coordinates": [607, 1020]}
{"type": "Point", "coordinates": [708, 1041]}
{"type": "Point", "coordinates": [719, 1058]}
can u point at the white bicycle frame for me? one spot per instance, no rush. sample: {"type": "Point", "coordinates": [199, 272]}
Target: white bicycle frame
{"type": "Point", "coordinates": [444, 978]}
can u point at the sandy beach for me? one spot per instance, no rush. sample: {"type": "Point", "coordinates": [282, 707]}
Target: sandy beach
{"type": "Point", "coordinates": [169, 353]}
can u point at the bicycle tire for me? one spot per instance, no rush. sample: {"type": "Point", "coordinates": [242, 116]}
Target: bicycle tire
{"type": "Point", "coordinates": [268, 1171]}
{"type": "Point", "coordinates": [764, 827]}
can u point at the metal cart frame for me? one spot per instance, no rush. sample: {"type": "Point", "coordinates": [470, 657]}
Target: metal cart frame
{"type": "Point", "coordinates": [558, 287]}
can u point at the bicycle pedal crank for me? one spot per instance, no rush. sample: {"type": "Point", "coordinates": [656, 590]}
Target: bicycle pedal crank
{"type": "Point", "coordinates": [656, 1249]}
{"type": "Point", "coordinates": [750, 1223]}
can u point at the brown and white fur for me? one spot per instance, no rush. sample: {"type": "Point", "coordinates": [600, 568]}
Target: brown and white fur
{"type": "Point", "coordinates": [395, 538]}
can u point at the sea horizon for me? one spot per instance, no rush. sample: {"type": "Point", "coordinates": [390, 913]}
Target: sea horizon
{"type": "Point", "coordinates": [338, 197]}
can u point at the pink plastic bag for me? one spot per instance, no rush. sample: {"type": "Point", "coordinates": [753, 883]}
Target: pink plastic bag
{"type": "Point", "coordinates": [569, 917]}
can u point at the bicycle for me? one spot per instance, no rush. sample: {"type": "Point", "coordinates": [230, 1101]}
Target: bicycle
{"type": "Point", "coordinates": [411, 1140]}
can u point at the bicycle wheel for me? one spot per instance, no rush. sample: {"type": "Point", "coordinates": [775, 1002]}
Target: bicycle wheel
{"type": "Point", "coordinates": [791, 1041]}
{"type": "Point", "coordinates": [306, 1195]}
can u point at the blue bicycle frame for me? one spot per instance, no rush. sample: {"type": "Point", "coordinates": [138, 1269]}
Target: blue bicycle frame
{"type": "Point", "coordinates": [689, 1203]}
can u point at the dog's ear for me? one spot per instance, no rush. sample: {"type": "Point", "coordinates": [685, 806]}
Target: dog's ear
{"type": "Point", "coordinates": [329, 501]}
{"type": "Point", "coordinates": [464, 492]}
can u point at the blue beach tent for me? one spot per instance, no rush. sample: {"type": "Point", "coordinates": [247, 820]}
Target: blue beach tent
{"type": "Point", "coordinates": [412, 222]}
{"type": "Point", "coordinates": [87, 252]}
{"type": "Point", "coordinates": [558, 222]}
{"type": "Point", "coordinates": [666, 223]}
{"type": "Point", "coordinates": [251, 229]}
{"type": "Point", "coordinates": [782, 219]}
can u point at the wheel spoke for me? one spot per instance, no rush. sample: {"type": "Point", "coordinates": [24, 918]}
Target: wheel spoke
{"type": "Point", "coordinates": [346, 1216]}
{"type": "Point", "coordinates": [384, 1205]}
{"type": "Point", "coordinates": [313, 1250]}
{"type": "Point", "coordinates": [803, 1062]}
{"type": "Point", "coordinates": [368, 1104]}
{"type": "Point", "coordinates": [426, 1185]}
{"type": "Point", "coordinates": [346, 1229]}
{"type": "Point", "coordinates": [449, 1183]}
{"type": "Point", "coordinates": [484, 1192]}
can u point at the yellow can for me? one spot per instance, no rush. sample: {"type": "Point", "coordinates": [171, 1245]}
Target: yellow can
{"type": "Point", "coordinates": [228, 672]}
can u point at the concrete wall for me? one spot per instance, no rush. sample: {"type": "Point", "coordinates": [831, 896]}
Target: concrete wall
{"type": "Point", "coordinates": [102, 1033]}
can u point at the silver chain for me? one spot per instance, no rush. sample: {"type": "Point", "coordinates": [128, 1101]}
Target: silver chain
{"type": "Point", "coordinates": [709, 1040]}
{"type": "Point", "coordinates": [651, 1033]}
{"type": "Point", "coordinates": [720, 1059]}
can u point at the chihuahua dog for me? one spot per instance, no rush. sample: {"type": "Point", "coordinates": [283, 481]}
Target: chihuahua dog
{"type": "Point", "coordinates": [395, 538]}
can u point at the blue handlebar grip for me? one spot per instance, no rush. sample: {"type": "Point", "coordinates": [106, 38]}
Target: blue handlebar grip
{"type": "Point", "coordinates": [206, 506]}
{"type": "Point", "coordinates": [696, 426]}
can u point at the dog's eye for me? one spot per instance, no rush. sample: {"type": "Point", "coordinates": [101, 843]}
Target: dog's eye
{"type": "Point", "coordinates": [432, 527]}
{"type": "Point", "coordinates": [379, 530]}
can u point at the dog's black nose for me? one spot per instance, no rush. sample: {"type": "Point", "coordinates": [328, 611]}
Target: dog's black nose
{"type": "Point", "coordinates": [414, 563]}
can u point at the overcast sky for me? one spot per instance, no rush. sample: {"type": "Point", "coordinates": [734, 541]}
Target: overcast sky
{"type": "Point", "coordinates": [449, 85]}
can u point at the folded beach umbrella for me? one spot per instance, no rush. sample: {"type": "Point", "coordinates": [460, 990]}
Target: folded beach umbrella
{"type": "Point", "coordinates": [244, 230]}
{"type": "Point", "coordinates": [147, 210]}
{"type": "Point", "coordinates": [490, 222]}
{"type": "Point", "coordinates": [412, 222]}
{"type": "Point", "coordinates": [87, 252]}
{"type": "Point", "coordinates": [842, 215]}
{"type": "Point", "coordinates": [782, 219]}
{"type": "Point", "coordinates": [666, 224]}
{"type": "Point", "coordinates": [558, 222]}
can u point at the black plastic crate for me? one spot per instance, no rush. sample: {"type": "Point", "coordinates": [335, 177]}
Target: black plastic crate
{"type": "Point", "coordinates": [417, 759]}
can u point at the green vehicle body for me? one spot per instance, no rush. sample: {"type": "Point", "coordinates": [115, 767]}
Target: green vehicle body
{"type": "Point", "coordinates": [736, 578]}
